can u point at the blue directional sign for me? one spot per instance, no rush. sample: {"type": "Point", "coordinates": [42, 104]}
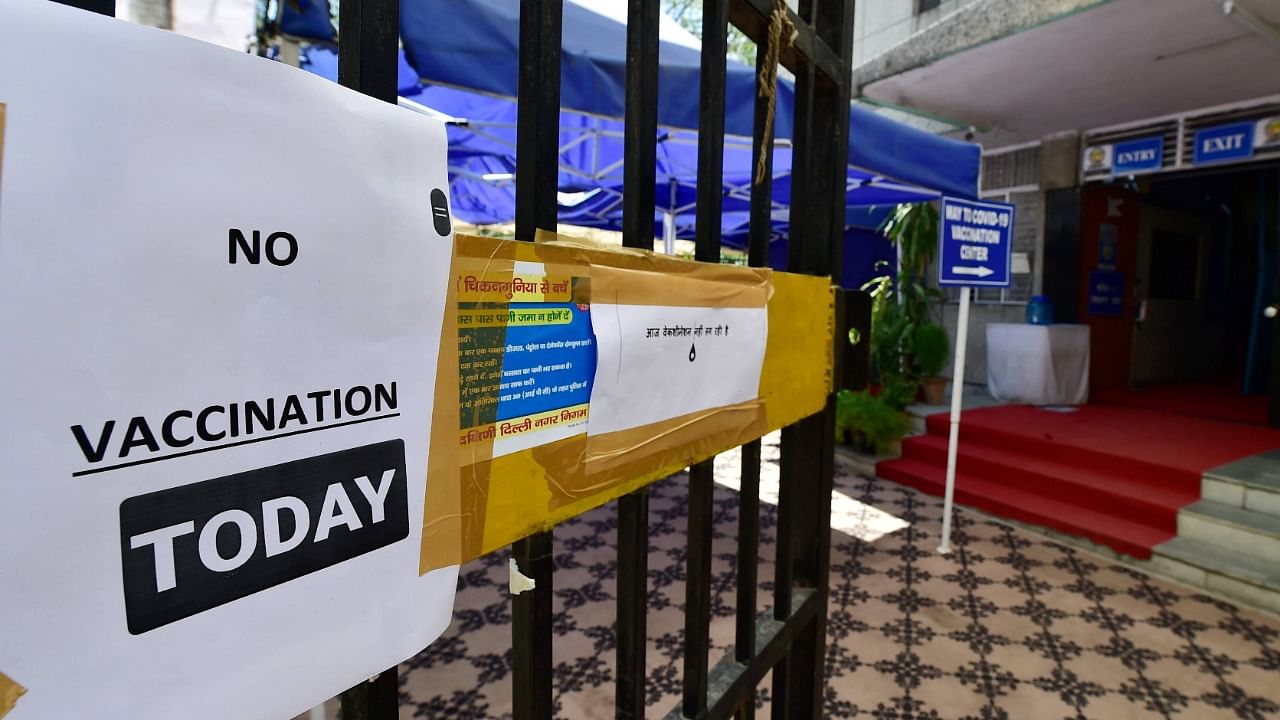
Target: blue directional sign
{"type": "Point", "coordinates": [975, 240]}
{"type": "Point", "coordinates": [1106, 293]}
{"type": "Point", "coordinates": [1139, 155]}
{"type": "Point", "coordinates": [1224, 142]}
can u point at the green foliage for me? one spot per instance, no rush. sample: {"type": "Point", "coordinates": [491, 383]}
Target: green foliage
{"type": "Point", "coordinates": [914, 228]}
{"type": "Point", "coordinates": [688, 13]}
{"type": "Point", "coordinates": [929, 349]}
{"type": "Point", "coordinates": [901, 308]}
{"type": "Point", "coordinates": [898, 391]}
{"type": "Point", "coordinates": [869, 419]}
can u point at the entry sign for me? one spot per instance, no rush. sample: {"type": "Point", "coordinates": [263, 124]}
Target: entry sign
{"type": "Point", "coordinates": [216, 378]}
{"type": "Point", "coordinates": [975, 243]}
{"type": "Point", "coordinates": [1141, 155]}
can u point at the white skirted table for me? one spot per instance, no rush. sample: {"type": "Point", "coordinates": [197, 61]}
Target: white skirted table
{"type": "Point", "coordinates": [1038, 364]}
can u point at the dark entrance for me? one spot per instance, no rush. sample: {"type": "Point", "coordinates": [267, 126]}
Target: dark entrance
{"type": "Point", "coordinates": [1198, 253]}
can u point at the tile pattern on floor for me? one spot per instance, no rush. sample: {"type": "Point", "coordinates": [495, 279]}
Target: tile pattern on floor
{"type": "Point", "coordinates": [1009, 625]}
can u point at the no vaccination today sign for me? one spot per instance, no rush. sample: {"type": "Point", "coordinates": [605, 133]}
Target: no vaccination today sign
{"type": "Point", "coordinates": [220, 358]}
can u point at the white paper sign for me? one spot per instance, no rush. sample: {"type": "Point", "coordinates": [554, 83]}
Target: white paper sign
{"type": "Point", "coordinates": [657, 362]}
{"type": "Point", "coordinates": [221, 288]}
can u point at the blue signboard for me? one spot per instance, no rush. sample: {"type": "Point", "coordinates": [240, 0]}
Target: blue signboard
{"type": "Point", "coordinates": [1224, 142]}
{"type": "Point", "coordinates": [975, 240]}
{"type": "Point", "coordinates": [550, 359]}
{"type": "Point", "coordinates": [1138, 155]}
{"type": "Point", "coordinates": [1106, 292]}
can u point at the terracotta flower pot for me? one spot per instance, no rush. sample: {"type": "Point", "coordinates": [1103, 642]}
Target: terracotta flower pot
{"type": "Point", "coordinates": [934, 390]}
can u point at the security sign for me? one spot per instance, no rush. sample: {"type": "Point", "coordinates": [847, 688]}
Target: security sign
{"type": "Point", "coordinates": [217, 376]}
{"type": "Point", "coordinates": [975, 243]}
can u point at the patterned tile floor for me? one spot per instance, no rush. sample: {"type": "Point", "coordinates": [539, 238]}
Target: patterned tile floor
{"type": "Point", "coordinates": [1009, 625]}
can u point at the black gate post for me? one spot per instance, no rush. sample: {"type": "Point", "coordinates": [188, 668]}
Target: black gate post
{"type": "Point", "coordinates": [710, 197]}
{"type": "Point", "coordinates": [807, 463]}
{"type": "Point", "coordinates": [368, 52]}
{"type": "Point", "coordinates": [537, 170]}
{"type": "Point", "coordinates": [640, 131]}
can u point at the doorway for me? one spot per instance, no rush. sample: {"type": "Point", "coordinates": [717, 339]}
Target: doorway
{"type": "Point", "coordinates": [1174, 340]}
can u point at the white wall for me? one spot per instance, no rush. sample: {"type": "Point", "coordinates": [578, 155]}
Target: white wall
{"type": "Point", "coordinates": [880, 24]}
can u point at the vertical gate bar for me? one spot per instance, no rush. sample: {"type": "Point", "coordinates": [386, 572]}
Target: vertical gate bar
{"type": "Point", "coordinates": [710, 191]}
{"type": "Point", "coordinates": [633, 597]}
{"type": "Point", "coordinates": [792, 479]}
{"type": "Point", "coordinates": [758, 233]}
{"type": "Point", "coordinates": [748, 566]}
{"type": "Point", "coordinates": [697, 613]}
{"type": "Point", "coordinates": [537, 172]}
{"type": "Point", "coordinates": [368, 49]}
{"type": "Point", "coordinates": [102, 7]}
{"type": "Point", "coordinates": [377, 699]}
{"type": "Point", "coordinates": [697, 605]}
{"type": "Point", "coordinates": [531, 621]}
{"type": "Point", "coordinates": [369, 46]}
{"type": "Point", "coordinates": [538, 117]}
{"type": "Point", "coordinates": [640, 131]}
{"type": "Point", "coordinates": [821, 148]}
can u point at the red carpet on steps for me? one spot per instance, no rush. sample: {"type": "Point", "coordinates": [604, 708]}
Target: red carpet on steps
{"type": "Point", "coordinates": [1114, 474]}
{"type": "Point", "coordinates": [1218, 401]}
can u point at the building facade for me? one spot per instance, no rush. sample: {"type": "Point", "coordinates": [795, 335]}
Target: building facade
{"type": "Point", "coordinates": [1140, 144]}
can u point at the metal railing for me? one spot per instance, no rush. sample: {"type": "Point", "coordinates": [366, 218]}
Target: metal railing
{"type": "Point", "coordinates": [790, 638]}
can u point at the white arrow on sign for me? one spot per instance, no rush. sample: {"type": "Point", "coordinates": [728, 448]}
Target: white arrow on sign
{"type": "Point", "coordinates": [978, 271]}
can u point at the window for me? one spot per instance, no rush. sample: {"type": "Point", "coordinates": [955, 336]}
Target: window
{"type": "Point", "coordinates": [924, 6]}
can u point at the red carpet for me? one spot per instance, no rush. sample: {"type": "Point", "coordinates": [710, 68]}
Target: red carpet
{"type": "Point", "coordinates": [1217, 401]}
{"type": "Point", "coordinates": [1116, 475]}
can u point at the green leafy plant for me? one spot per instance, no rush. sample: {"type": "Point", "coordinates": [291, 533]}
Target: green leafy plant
{"type": "Point", "coordinates": [898, 391]}
{"type": "Point", "coordinates": [929, 349]}
{"type": "Point", "coordinates": [869, 420]}
{"type": "Point", "coordinates": [903, 305]}
{"type": "Point", "coordinates": [900, 314]}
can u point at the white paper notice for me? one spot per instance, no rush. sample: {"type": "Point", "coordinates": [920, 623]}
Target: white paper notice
{"type": "Point", "coordinates": [221, 287]}
{"type": "Point", "coordinates": [657, 362]}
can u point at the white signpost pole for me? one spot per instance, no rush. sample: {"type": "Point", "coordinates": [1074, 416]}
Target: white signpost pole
{"type": "Point", "coordinates": [974, 248]}
{"type": "Point", "coordinates": [957, 394]}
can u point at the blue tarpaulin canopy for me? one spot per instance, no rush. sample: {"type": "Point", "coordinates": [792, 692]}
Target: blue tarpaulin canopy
{"type": "Point", "coordinates": [460, 63]}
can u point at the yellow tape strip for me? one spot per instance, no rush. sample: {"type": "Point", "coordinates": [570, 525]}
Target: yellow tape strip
{"type": "Point", "coordinates": [10, 690]}
{"type": "Point", "coordinates": [477, 503]}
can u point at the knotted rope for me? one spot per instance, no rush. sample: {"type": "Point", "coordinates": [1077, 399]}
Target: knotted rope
{"type": "Point", "coordinates": [779, 26]}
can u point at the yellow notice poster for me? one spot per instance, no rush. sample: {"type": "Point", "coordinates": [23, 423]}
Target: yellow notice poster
{"type": "Point", "coordinates": [582, 373]}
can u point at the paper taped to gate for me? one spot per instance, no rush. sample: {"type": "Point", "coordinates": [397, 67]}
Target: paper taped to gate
{"type": "Point", "coordinates": [582, 373]}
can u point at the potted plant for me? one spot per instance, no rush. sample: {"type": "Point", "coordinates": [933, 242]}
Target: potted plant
{"type": "Point", "coordinates": [929, 348]}
{"type": "Point", "coordinates": [869, 422]}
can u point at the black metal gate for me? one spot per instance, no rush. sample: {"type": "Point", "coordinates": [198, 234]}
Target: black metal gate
{"type": "Point", "coordinates": [789, 639]}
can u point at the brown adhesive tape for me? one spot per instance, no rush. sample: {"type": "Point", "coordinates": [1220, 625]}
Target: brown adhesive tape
{"type": "Point", "coordinates": [10, 690]}
{"type": "Point", "coordinates": [798, 358]}
{"type": "Point", "coordinates": [477, 503]}
{"type": "Point", "coordinates": [455, 507]}
{"type": "Point", "coordinates": [611, 456]}
{"type": "Point", "coordinates": [621, 286]}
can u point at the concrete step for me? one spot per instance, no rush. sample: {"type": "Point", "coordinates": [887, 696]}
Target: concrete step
{"type": "Point", "coordinates": [1253, 581]}
{"type": "Point", "coordinates": [1252, 483]}
{"type": "Point", "coordinates": [1231, 529]}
